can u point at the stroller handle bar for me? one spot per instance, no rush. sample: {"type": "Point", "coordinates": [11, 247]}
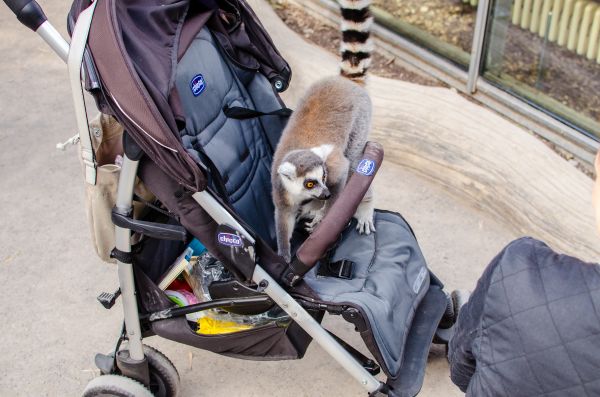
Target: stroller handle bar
{"type": "Point", "coordinates": [338, 216]}
{"type": "Point", "coordinates": [30, 14]}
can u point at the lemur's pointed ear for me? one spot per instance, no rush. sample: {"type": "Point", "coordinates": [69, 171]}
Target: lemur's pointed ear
{"type": "Point", "coordinates": [287, 169]}
{"type": "Point", "coordinates": [323, 151]}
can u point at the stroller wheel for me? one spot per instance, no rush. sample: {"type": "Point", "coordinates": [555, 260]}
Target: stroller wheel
{"type": "Point", "coordinates": [454, 303]}
{"type": "Point", "coordinates": [459, 298]}
{"type": "Point", "coordinates": [164, 378]}
{"type": "Point", "coordinates": [115, 386]}
{"type": "Point", "coordinates": [449, 317]}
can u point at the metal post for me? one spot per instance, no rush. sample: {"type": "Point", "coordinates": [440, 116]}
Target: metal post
{"type": "Point", "coordinates": [314, 329]}
{"type": "Point", "coordinates": [478, 43]}
{"type": "Point", "coordinates": [54, 39]}
{"type": "Point", "coordinates": [218, 213]}
{"type": "Point", "coordinates": [123, 243]}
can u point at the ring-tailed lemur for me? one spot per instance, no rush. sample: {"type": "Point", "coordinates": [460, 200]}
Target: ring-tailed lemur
{"type": "Point", "coordinates": [325, 137]}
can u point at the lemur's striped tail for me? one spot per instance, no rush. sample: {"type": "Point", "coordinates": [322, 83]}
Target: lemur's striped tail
{"type": "Point", "coordinates": [356, 45]}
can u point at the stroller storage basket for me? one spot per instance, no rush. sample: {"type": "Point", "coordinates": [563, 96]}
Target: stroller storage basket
{"type": "Point", "coordinates": [273, 341]}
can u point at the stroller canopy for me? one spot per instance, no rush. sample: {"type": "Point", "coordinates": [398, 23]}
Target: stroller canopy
{"type": "Point", "coordinates": [135, 46]}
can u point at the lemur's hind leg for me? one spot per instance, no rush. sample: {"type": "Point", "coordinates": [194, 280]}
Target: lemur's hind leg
{"type": "Point", "coordinates": [285, 219]}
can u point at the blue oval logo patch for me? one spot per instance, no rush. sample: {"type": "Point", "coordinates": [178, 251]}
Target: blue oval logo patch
{"type": "Point", "coordinates": [366, 167]}
{"type": "Point", "coordinates": [231, 240]}
{"type": "Point", "coordinates": [198, 85]}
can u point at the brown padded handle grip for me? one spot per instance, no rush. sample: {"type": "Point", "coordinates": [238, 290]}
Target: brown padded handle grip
{"type": "Point", "coordinates": [340, 213]}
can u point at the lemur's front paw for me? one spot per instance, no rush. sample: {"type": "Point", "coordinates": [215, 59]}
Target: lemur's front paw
{"type": "Point", "coordinates": [364, 215]}
{"type": "Point", "coordinates": [365, 226]}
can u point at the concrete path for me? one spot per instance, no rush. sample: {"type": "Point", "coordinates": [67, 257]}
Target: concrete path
{"type": "Point", "coordinates": [49, 276]}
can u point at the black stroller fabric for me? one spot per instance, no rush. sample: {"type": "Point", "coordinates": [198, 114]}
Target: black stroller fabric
{"type": "Point", "coordinates": [135, 47]}
{"type": "Point", "coordinates": [389, 281]}
{"type": "Point", "coordinates": [272, 341]}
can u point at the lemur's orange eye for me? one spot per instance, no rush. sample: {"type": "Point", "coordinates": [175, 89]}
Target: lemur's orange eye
{"type": "Point", "coordinates": [309, 184]}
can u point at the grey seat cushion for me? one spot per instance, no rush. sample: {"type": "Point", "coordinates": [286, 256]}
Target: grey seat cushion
{"type": "Point", "coordinates": [390, 279]}
{"type": "Point", "coordinates": [240, 149]}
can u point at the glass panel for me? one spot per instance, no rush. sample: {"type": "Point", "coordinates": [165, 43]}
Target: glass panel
{"type": "Point", "coordinates": [547, 52]}
{"type": "Point", "coordinates": [443, 26]}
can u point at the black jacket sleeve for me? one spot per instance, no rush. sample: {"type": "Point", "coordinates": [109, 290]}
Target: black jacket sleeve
{"type": "Point", "coordinates": [460, 355]}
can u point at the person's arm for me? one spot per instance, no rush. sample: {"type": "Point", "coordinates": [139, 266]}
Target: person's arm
{"type": "Point", "coordinates": [460, 355]}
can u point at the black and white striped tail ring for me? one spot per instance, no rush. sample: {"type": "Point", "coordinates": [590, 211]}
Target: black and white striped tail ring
{"type": "Point", "coordinates": [356, 45]}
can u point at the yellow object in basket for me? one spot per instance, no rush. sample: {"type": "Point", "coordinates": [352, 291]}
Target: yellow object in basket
{"type": "Point", "coordinates": [212, 326]}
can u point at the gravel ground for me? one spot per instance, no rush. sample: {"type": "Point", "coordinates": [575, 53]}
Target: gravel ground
{"type": "Point", "coordinates": [571, 79]}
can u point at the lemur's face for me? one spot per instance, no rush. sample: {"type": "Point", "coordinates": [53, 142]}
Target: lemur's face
{"type": "Point", "coordinates": [303, 174]}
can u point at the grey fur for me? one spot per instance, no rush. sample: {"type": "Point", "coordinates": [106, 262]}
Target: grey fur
{"type": "Point", "coordinates": [327, 132]}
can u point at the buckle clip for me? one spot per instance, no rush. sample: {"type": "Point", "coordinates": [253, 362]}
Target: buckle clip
{"type": "Point", "coordinates": [343, 269]}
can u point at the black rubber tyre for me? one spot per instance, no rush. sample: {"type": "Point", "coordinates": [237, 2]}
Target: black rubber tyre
{"type": "Point", "coordinates": [115, 386]}
{"type": "Point", "coordinates": [449, 317]}
{"type": "Point", "coordinates": [164, 378]}
{"type": "Point", "coordinates": [459, 298]}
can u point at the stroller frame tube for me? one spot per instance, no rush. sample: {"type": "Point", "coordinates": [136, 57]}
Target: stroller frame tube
{"type": "Point", "coordinates": [54, 39]}
{"type": "Point", "coordinates": [123, 244]}
{"type": "Point", "coordinates": [260, 276]}
{"type": "Point", "coordinates": [289, 304]}
{"type": "Point", "coordinates": [316, 331]}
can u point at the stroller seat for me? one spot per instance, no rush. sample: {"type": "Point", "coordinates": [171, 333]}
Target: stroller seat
{"type": "Point", "coordinates": [241, 150]}
{"type": "Point", "coordinates": [389, 278]}
{"type": "Point", "coordinates": [388, 281]}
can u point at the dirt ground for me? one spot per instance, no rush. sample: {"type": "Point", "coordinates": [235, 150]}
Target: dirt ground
{"type": "Point", "coordinates": [451, 21]}
{"type": "Point", "coordinates": [555, 71]}
{"type": "Point", "coordinates": [329, 37]}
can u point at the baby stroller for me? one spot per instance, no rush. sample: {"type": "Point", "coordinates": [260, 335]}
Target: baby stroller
{"type": "Point", "coordinates": [195, 85]}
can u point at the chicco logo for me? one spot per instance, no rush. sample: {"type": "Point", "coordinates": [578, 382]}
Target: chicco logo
{"type": "Point", "coordinates": [230, 240]}
{"type": "Point", "coordinates": [366, 167]}
{"type": "Point", "coordinates": [198, 85]}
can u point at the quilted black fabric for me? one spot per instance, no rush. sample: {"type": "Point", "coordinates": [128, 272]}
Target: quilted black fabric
{"type": "Point", "coordinates": [531, 327]}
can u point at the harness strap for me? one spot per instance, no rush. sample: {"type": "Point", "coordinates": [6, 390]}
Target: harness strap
{"type": "Point", "coordinates": [154, 207]}
{"type": "Point", "coordinates": [241, 113]}
{"type": "Point", "coordinates": [75, 59]}
{"type": "Point", "coordinates": [214, 175]}
{"type": "Point", "coordinates": [343, 268]}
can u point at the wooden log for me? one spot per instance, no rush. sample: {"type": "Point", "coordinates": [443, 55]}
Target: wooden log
{"type": "Point", "coordinates": [517, 12]}
{"type": "Point", "coordinates": [526, 14]}
{"type": "Point", "coordinates": [574, 25]}
{"type": "Point", "coordinates": [584, 30]}
{"type": "Point", "coordinates": [557, 8]}
{"type": "Point", "coordinates": [594, 37]}
{"type": "Point", "coordinates": [470, 150]}
{"type": "Point", "coordinates": [565, 18]}
{"type": "Point", "coordinates": [544, 18]}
